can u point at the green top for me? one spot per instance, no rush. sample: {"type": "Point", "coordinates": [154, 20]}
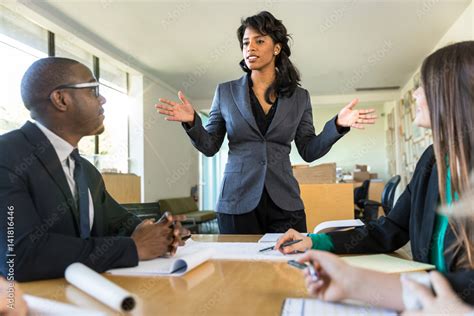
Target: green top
{"type": "Point", "coordinates": [322, 242]}
{"type": "Point", "coordinates": [440, 228]}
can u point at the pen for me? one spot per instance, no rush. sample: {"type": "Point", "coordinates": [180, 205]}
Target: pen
{"type": "Point", "coordinates": [312, 271]}
{"type": "Point", "coordinates": [286, 244]}
{"type": "Point", "coordinates": [162, 218]}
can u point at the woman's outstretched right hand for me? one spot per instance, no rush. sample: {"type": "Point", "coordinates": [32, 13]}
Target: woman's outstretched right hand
{"type": "Point", "coordinates": [179, 112]}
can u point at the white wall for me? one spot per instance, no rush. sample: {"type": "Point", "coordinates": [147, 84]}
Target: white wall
{"type": "Point", "coordinates": [357, 147]}
{"type": "Point", "coordinates": [170, 161]}
{"type": "Point", "coordinates": [461, 30]}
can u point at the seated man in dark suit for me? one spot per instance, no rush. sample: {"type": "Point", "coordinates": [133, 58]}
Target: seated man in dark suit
{"type": "Point", "coordinates": [54, 207]}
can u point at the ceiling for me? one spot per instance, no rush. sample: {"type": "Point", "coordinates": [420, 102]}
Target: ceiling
{"type": "Point", "coordinates": [337, 45]}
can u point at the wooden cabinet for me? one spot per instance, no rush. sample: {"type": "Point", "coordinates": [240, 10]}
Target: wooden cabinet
{"type": "Point", "coordinates": [327, 202]}
{"type": "Point", "coordinates": [123, 187]}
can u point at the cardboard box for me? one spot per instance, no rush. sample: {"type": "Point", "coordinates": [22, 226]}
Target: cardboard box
{"type": "Point", "coordinates": [361, 167]}
{"type": "Point", "coordinates": [324, 173]}
{"type": "Point", "coordinates": [360, 176]}
{"type": "Point", "coordinates": [374, 176]}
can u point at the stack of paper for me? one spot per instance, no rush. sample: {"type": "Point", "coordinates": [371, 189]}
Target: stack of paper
{"type": "Point", "coordinates": [195, 253]}
{"type": "Point", "coordinates": [302, 307]}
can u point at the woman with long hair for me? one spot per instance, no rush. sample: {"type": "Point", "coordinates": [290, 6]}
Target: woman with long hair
{"type": "Point", "coordinates": [445, 103]}
{"type": "Point", "coordinates": [262, 113]}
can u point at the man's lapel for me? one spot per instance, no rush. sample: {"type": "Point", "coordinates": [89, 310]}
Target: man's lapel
{"type": "Point", "coordinates": [46, 154]}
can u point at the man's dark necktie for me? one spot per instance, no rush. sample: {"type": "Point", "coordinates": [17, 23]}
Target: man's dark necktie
{"type": "Point", "coordinates": [83, 194]}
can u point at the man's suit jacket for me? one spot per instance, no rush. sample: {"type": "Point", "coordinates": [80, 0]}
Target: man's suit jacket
{"type": "Point", "coordinates": [254, 159]}
{"type": "Point", "coordinates": [45, 215]}
{"type": "Point", "coordinates": [411, 219]}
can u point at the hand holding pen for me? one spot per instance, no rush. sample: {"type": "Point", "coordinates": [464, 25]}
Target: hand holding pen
{"type": "Point", "coordinates": [283, 245]}
{"type": "Point", "coordinates": [179, 233]}
{"type": "Point", "coordinates": [305, 244]}
{"type": "Point", "coordinates": [328, 277]}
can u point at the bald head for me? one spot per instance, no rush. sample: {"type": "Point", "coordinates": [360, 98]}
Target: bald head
{"type": "Point", "coordinates": [42, 77]}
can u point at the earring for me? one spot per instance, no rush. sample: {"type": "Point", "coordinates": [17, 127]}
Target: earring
{"type": "Point", "coordinates": [276, 53]}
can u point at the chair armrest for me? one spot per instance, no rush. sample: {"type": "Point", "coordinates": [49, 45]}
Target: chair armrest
{"type": "Point", "coordinates": [369, 203]}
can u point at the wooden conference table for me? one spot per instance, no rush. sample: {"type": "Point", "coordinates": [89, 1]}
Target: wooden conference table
{"type": "Point", "coordinates": [214, 288]}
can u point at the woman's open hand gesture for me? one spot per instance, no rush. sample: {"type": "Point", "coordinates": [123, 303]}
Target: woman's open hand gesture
{"type": "Point", "coordinates": [179, 112]}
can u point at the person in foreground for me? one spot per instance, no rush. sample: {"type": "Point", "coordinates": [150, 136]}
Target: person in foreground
{"type": "Point", "coordinates": [445, 102]}
{"type": "Point", "coordinates": [55, 209]}
{"type": "Point", "coordinates": [12, 302]}
{"type": "Point", "coordinates": [339, 281]}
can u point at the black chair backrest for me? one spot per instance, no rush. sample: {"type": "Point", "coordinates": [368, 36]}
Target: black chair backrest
{"type": "Point", "coordinates": [361, 193]}
{"type": "Point", "coordinates": [388, 194]}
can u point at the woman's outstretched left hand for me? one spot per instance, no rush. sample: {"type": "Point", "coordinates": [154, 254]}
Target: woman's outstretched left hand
{"type": "Point", "coordinates": [348, 117]}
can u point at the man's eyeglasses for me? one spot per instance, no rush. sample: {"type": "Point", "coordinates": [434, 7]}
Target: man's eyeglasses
{"type": "Point", "coordinates": [85, 85]}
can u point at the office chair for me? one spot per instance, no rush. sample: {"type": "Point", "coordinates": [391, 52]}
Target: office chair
{"type": "Point", "coordinates": [361, 194]}
{"type": "Point", "coordinates": [370, 208]}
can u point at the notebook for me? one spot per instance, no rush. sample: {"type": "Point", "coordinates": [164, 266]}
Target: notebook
{"type": "Point", "coordinates": [186, 259]}
{"type": "Point", "coordinates": [329, 226]}
{"type": "Point", "coordinates": [387, 264]}
{"type": "Point", "coordinates": [313, 307]}
{"type": "Point", "coordinates": [323, 227]}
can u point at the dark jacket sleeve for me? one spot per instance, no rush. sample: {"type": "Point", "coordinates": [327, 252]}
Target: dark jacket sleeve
{"type": "Point", "coordinates": [387, 234]}
{"type": "Point", "coordinates": [311, 146]}
{"type": "Point", "coordinates": [208, 140]}
{"type": "Point", "coordinates": [38, 254]}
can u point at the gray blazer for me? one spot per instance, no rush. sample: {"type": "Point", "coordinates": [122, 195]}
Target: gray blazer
{"type": "Point", "coordinates": [255, 160]}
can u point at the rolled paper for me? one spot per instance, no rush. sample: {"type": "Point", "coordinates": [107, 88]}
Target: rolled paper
{"type": "Point", "coordinates": [103, 290]}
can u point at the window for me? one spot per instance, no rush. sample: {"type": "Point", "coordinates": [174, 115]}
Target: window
{"type": "Point", "coordinates": [113, 142]}
{"type": "Point", "coordinates": [21, 43]}
{"type": "Point", "coordinates": [67, 47]}
{"type": "Point", "coordinates": [212, 172]}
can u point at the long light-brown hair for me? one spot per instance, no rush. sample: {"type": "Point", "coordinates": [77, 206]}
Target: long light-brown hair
{"type": "Point", "coordinates": [448, 79]}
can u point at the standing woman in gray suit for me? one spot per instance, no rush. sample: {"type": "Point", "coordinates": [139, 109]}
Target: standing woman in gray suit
{"type": "Point", "coordinates": [262, 113]}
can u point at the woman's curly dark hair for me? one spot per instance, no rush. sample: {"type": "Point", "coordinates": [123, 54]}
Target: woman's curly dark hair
{"type": "Point", "coordinates": [287, 76]}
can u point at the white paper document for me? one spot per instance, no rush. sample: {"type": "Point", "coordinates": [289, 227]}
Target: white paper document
{"type": "Point", "coordinates": [38, 306]}
{"type": "Point", "coordinates": [246, 251]}
{"type": "Point", "coordinates": [302, 307]}
{"type": "Point", "coordinates": [186, 259]}
{"type": "Point", "coordinates": [195, 253]}
{"type": "Point", "coordinates": [270, 237]}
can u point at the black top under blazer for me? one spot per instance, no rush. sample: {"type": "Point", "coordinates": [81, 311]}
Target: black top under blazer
{"type": "Point", "coordinates": [45, 214]}
{"type": "Point", "coordinates": [254, 159]}
{"type": "Point", "coordinates": [411, 219]}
